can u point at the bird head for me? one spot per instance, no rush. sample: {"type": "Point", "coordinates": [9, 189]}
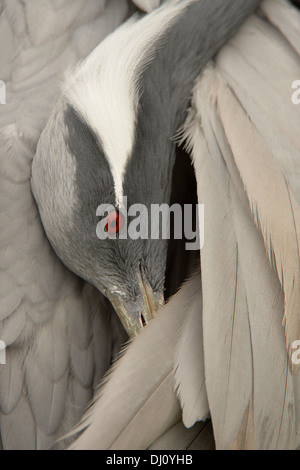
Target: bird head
{"type": "Point", "coordinates": [71, 178]}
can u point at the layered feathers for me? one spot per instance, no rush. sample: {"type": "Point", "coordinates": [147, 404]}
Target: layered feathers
{"type": "Point", "coordinates": [51, 322]}
{"type": "Point", "coordinates": [243, 136]}
{"type": "Point", "coordinates": [137, 402]}
{"type": "Point", "coordinates": [243, 152]}
{"type": "Point", "coordinates": [222, 346]}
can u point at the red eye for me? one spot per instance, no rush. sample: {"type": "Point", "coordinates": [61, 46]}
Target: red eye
{"type": "Point", "coordinates": [114, 222]}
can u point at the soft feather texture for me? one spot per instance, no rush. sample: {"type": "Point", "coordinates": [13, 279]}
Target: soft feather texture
{"type": "Point", "coordinates": [52, 323]}
{"type": "Point", "coordinates": [244, 140]}
{"type": "Point", "coordinates": [199, 437]}
{"type": "Point", "coordinates": [243, 299]}
{"type": "Point", "coordinates": [189, 356]}
{"type": "Point", "coordinates": [252, 395]}
{"type": "Point", "coordinates": [272, 194]}
{"type": "Point", "coordinates": [142, 383]}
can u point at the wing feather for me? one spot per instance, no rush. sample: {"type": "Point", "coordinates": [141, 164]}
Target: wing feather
{"type": "Point", "coordinates": [142, 381]}
{"type": "Point", "coordinates": [189, 356]}
{"type": "Point", "coordinates": [269, 176]}
{"type": "Point", "coordinates": [178, 437]}
{"type": "Point", "coordinates": [245, 151]}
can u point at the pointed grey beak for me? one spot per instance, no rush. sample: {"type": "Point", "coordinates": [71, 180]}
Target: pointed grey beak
{"type": "Point", "coordinates": [135, 315]}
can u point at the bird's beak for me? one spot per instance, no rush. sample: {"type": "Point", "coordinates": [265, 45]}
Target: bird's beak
{"type": "Point", "coordinates": [135, 315]}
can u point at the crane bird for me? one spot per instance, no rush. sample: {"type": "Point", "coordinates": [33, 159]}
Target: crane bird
{"type": "Point", "coordinates": [111, 133]}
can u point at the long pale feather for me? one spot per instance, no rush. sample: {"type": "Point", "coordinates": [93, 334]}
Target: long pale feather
{"type": "Point", "coordinates": [189, 356]}
{"type": "Point", "coordinates": [240, 303]}
{"type": "Point", "coordinates": [227, 351]}
{"type": "Point", "coordinates": [284, 17]}
{"type": "Point", "coordinates": [269, 175]}
{"type": "Point", "coordinates": [178, 437]}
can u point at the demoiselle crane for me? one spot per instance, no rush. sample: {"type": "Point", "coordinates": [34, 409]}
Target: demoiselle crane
{"type": "Point", "coordinates": [112, 134]}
